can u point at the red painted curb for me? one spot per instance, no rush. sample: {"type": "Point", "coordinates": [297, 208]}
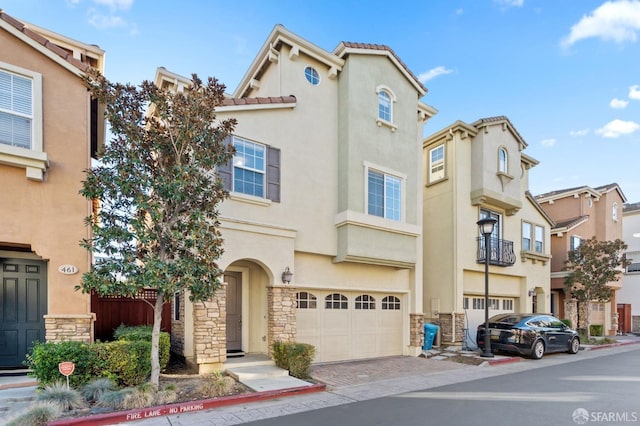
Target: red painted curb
{"type": "Point", "coordinates": [504, 361]}
{"type": "Point", "coordinates": [185, 407]}
{"type": "Point", "coordinates": [611, 345]}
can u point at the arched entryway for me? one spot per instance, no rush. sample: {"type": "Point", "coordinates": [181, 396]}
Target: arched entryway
{"type": "Point", "coordinates": [247, 315]}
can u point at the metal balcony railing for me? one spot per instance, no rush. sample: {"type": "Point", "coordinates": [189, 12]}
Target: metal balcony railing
{"type": "Point", "coordinates": [501, 252]}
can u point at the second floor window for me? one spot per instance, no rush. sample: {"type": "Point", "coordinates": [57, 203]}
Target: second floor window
{"type": "Point", "coordinates": [384, 195]}
{"type": "Point", "coordinates": [503, 161]}
{"type": "Point", "coordinates": [385, 106]}
{"type": "Point", "coordinates": [532, 237]}
{"type": "Point", "coordinates": [614, 212]}
{"type": "Point", "coordinates": [436, 163]}
{"type": "Point", "coordinates": [254, 170]}
{"type": "Point", "coordinates": [575, 242]}
{"type": "Point", "coordinates": [16, 110]}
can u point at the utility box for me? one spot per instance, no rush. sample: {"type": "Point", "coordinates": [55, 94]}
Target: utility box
{"type": "Point", "coordinates": [430, 331]}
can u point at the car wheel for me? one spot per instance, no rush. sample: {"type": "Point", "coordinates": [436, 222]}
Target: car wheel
{"type": "Point", "coordinates": [574, 346]}
{"type": "Point", "coordinates": [537, 351]}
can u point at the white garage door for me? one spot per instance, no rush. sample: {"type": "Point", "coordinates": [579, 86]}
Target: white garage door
{"type": "Point", "coordinates": [348, 325]}
{"type": "Point", "coordinates": [474, 311]}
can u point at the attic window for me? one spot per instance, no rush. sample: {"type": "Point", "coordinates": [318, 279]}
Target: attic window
{"type": "Point", "coordinates": [312, 76]}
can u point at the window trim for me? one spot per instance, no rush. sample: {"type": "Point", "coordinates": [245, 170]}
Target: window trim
{"type": "Point", "coordinates": [315, 74]}
{"type": "Point", "coordinates": [432, 164]}
{"type": "Point", "coordinates": [403, 185]}
{"type": "Point", "coordinates": [503, 164]}
{"type": "Point", "coordinates": [34, 160]}
{"type": "Point", "coordinates": [381, 121]}
{"type": "Point", "coordinates": [614, 211]}
{"type": "Point", "coordinates": [573, 238]}
{"type": "Point", "coordinates": [390, 303]}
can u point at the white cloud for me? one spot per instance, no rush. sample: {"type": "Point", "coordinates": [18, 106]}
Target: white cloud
{"type": "Point", "coordinates": [617, 128]}
{"type": "Point", "coordinates": [103, 22]}
{"type": "Point", "coordinates": [433, 73]}
{"type": "Point", "coordinates": [548, 142]}
{"type": "Point", "coordinates": [617, 21]}
{"type": "Point", "coordinates": [510, 3]}
{"type": "Point", "coordinates": [115, 4]}
{"type": "Point", "coordinates": [576, 133]}
{"type": "Point", "coordinates": [459, 11]}
{"type": "Point", "coordinates": [634, 92]}
{"type": "Point", "coordinates": [618, 103]}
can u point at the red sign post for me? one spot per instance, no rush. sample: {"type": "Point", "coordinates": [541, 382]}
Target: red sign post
{"type": "Point", "coordinates": [66, 368]}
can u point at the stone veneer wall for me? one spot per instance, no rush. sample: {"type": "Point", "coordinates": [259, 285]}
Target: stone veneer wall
{"type": "Point", "coordinates": [210, 330]}
{"type": "Point", "coordinates": [282, 315]}
{"type": "Point", "coordinates": [177, 327]}
{"type": "Point", "coordinates": [416, 330]}
{"type": "Point", "coordinates": [446, 323]}
{"type": "Point", "coordinates": [59, 328]}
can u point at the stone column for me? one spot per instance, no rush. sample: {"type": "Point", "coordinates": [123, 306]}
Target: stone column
{"type": "Point", "coordinates": [210, 332]}
{"type": "Point", "coordinates": [281, 302]}
{"type": "Point", "coordinates": [416, 331]}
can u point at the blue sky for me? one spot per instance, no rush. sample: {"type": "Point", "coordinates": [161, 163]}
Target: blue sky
{"type": "Point", "coordinates": [566, 73]}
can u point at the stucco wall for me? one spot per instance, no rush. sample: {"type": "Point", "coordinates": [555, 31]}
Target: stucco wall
{"type": "Point", "coordinates": [48, 216]}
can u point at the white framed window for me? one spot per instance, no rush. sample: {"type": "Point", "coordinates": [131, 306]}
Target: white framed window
{"type": "Point", "coordinates": [526, 236]}
{"type": "Point", "coordinates": [614, 212]}
{"type": "Point", "coordinates": [385, 106]}
{"type": "Point", "coordinates": [365, 301]}
{"type": "Point", "coordinates": [503, 161]}
{"type": "Point", "coordinates": [385, 193]}
{"type": "Point", "coordinates": [507, 304]}
{"type": "Point", "coordinates": [21, 139]}
{"type": "Point", "coordinates": [494, 304]}
{"type": "Point", "coordinates": [532, 237]}
{"type": "Point", "coordinates": [465, 303]}
{"type": "Point", "coordinates": [386, 99]}
{"type": "Point", "coordinates": [305, 300]}
{"type": "Point", "coordinates": [575, 242]}
{"type": "Point", "coordinates": [249, 167]}
{"type": "Point", "coordinates": [436, 163]}
{"type": "Point", "coordinates": [336, 301]}
{"type": "Point", "coordinates": [391, 303]}
{"type": "Point", "coordinates": [312, 76]}
{"type": "Point", "coordinates": [478, 303]}
{"type": "Point", "coordinates": [497, 228]}
{"type": "Point", "coordinates": [634, 258]}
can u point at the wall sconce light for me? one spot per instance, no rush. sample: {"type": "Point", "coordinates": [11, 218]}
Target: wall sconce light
{"type": "Point", "coordinates": [532, 292]}
{"type": "Point", "coordinates": [286, 276]}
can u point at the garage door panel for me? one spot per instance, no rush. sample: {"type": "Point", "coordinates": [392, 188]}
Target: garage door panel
{"type": "Point", "coordinates": [342, 334]}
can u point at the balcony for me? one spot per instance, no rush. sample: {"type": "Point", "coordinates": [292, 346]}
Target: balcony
{"type": "Point", "coordinates": [501, 252]}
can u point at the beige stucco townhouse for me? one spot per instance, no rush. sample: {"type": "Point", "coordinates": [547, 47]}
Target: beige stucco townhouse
{"type": "Point", "coordinates": [471, 172]}
{"type": "Point", "coordinates": [581, 213]}
{"type": "Point", "coordinates": [628, 297]}
{"type": "Point", "coordinates": [48, 133]}
{"type": "Point", "coordinates": [325, 185]}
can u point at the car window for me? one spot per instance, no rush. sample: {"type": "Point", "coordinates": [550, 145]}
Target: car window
{"type": "Point", "coordinates": [555, 323]}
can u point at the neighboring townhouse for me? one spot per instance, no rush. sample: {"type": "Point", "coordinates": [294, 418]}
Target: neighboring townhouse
{"type": "Point", "coordinates": [476, 171]}
{"type": "Point", "coordinates": [581, 213]}
{"type": "Point", "coordinates": [628, 297]}
{"type": "Point", "coordinates": [323, 226]}
{"type": "Point", "coordinates": [49, 130]}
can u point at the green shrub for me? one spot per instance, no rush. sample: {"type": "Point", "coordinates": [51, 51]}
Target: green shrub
{"type": "Point", "coordinates": [567, 322]}
{"type": "Point", "coordinates": [295, 357]}
{"type": "Point", "coordinates": [216, 384]}
{"type": "Point", "coordinates": [93, 390]}
{"type": "Point", "coordinates": [44, 359]}
{"type": "Point", "coordinates": [39, 414]}
{"type": "Point", "coordinates": [143, 333]}
{"type": "Point", "coordinates": [126, 362]}
{"type": "Point", "coordinates": [114, 399]}
{"type": "Point", "coordinates": [596, 330]}
{"type": "Point", "coordinates": [67, 398]}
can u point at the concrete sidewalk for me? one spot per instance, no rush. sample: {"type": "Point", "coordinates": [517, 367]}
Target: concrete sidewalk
{"type": "Point", "coordinates": [345, 382]}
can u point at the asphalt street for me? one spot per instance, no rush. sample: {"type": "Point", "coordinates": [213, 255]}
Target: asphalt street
{"type": "Point", "coordinates": [599, 390]}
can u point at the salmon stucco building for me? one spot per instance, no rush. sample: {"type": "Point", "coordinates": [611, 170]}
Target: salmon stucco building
{"type": "Point", "coordinates": [49, 131]}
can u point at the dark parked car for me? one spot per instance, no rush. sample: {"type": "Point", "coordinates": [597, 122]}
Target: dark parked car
{"type": "Point", "coordinates": [532, 335]}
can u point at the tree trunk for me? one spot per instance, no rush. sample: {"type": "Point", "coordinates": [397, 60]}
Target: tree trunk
{"type": "Point", "coordinates": [588, 321]}
{"type": "Point", "coordinates": [155, 339]}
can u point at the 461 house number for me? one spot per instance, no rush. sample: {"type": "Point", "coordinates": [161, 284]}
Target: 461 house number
{"type": "Point", "coordinates": [68, 269]}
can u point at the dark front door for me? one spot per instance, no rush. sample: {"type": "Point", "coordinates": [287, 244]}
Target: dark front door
{"type": "Point", "coordinates": [22, 308]}
{"type": "Point", "coordinates": [234, 311]}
